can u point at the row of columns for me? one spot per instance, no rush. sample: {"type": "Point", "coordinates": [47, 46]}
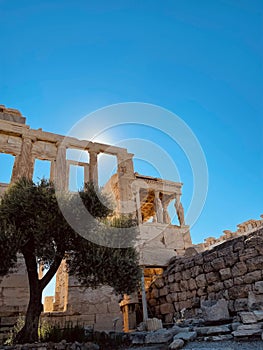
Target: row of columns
{"type": "Point", "coordinates": [24, 167]}
{"type": "Point", "coordinates": [24, 164]}
{"type": "Point", "coordinates": [161, 209]}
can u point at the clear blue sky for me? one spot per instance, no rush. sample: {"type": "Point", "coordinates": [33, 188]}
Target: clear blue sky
{"type": "Point", "coordinates": [201, 60]}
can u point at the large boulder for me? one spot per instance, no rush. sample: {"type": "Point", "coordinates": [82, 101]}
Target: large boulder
{"type": "Point", "coordinates": [215, 310]}
{"type": "Point", "coordinates": [157, 337]}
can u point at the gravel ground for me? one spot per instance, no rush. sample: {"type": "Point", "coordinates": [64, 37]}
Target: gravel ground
{"type": "Point", "coordinates": [225, 345]}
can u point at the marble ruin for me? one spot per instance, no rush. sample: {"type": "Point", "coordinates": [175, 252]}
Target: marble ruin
{"type": "Point", "coordinates": [148, 198]}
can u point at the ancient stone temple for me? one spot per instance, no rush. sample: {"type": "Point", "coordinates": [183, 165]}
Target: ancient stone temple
{"type": "Point", "coordinates": [168, 259]}
{"type": "Point", "coordinates": [146, 197]}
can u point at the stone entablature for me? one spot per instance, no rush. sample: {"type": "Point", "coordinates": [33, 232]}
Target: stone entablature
{"type": "Point", "coordinates": [29, 144]}
{"type": "Point", "coordinates": [12, 115]}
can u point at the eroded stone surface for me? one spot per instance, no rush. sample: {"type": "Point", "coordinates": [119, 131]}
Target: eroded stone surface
{"type": "Point", "coordinates": [176, 344]}
{"type": "Point", "coordinates": [160, 336]}
{"type": "Point", "coordinates": [186, 336]}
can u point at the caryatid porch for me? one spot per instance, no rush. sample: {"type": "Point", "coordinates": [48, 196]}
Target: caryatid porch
{"type": "Point", "coordinates": [159, 239]}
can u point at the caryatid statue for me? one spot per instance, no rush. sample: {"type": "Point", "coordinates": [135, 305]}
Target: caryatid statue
{"type": "Point", "coordinates": [158, 208]}
{"type": "Point", "coordinates": [179, 210]}
{"type": "Point", "coordinates": [166, 216]}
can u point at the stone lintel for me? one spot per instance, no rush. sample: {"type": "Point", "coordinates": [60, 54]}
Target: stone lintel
{"type": "Point", "coordinates": [12, 128]}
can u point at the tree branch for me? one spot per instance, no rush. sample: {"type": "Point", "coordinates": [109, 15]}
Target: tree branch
{"type": "Point", "coordinates": [52, 270]}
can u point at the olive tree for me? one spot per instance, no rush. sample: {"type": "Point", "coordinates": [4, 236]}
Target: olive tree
{"type": "Point", "coordinates": [32, 224]}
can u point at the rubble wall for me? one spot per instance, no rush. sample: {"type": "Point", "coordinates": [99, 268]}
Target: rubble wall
{"type": "Point", "coordinates": [232, 271]}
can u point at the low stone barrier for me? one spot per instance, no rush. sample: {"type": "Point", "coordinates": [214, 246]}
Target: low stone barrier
{"type": "Point", "coordinates": [214, 285]}
{"type": "Point", "coordinates": [249, 328]}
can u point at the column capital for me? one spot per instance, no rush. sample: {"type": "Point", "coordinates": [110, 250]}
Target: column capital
{"type": "Point", "coordinates": [28, 138]}
{"type": "Point", "coordinates": [61, 145]}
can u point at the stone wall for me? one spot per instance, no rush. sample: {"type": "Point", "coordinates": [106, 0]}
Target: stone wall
{"type": "Point", "coordinates": [231, 272]}
{"type": "Point", "coordinates": [14, 290]}
{"type": "Point", "coordinates": [98, 307]}
{"type": "Point", "coordinates": [244, 228]}
{"type": "Point", "coordinates": [14, 297]}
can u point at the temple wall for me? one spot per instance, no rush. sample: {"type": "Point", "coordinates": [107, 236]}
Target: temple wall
{"type": "Point", "coordinates": [231, 271]}
{"type": "Point", "coordinates": [98, 307]}
{"type": "Point", "coordinates": [158, 243]}
{"type": "Point", "coordinates": [14, 291]}
{"type": "Point", "coordinates": [61, 289]}
{"type": "Point", "coordinates": [14, 297]}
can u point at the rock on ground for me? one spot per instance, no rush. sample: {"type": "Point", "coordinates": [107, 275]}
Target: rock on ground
{"type": "Point", "coordinates": [225, 345]}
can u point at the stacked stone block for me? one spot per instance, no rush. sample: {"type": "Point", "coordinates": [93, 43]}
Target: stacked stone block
{"type": "Point", "coordinates": [232, 271]}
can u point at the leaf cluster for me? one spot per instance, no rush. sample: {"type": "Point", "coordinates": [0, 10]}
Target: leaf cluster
{"type": "Point", "coordinates": [31, 221]}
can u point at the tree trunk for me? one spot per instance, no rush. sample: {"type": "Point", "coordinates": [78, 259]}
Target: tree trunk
{"type": "Point", "coordinates": [29, 333]}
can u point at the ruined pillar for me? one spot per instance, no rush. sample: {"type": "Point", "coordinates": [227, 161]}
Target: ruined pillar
{"type": "Point", "coordinates": [179, 210]}
{"type": "Point", "coordinates": [52, 170]}
{"type": "Point", "coordinates": [138, 206]}
{"type": "Point", "coordinates": [24, 162]}
{"type": "Point", "coordinates": [144, 299]}
{"type": "Point", "coordinates": [86, 173]}
{"type": "Point", "coordinates": [158, 207]}
{"type": "Point", "coordinates": [93, 167]}
{"type": "Point", "coordinates": [166, 216]}
{"type": "Point", "coordinates": [126, 204]}
{"type": "Point", "coordinates": [61, 167]}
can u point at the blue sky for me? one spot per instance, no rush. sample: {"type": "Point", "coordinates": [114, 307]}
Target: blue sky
{"type": "Point", "coordinates": [202, 60]}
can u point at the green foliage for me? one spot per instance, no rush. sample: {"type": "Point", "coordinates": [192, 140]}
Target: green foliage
{"type": "Point", "coordinates": [14, 331]}
{"type": "Point", "coordinates": [32, 223]}
{"type": "Point", "coordinates": [95, 264]}
{"type": "Point", "coordinates": [30, 218]}
{"type": "Point", "coordinates": [55, 333]}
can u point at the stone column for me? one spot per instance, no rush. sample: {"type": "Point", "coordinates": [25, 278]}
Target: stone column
{"type": "Point", "coordinates": [61, 167]}
{"type": "Point", "coordinates": [93, 167]}
{"type": "Point", "coordinates": [158, 208]}
{"type": "Point", "coordinates": [138, 206]}
{"type": "Point", "coordinates": [24, 162]}
{"type": "Point", "coordinates": [126, 203]}
{"type": "Point", "coordinates": [68, 168]}
{"type": "Point", "coordinates": [144, 300]}
{"type": "Point", "coordinates": [86, 173]}
{"type": "Point", "coordinates": [52, 170]}
{"type": "Point", "coordinates": [166, 216]}
{"type": "Point", "coordinates": [179, 210]}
